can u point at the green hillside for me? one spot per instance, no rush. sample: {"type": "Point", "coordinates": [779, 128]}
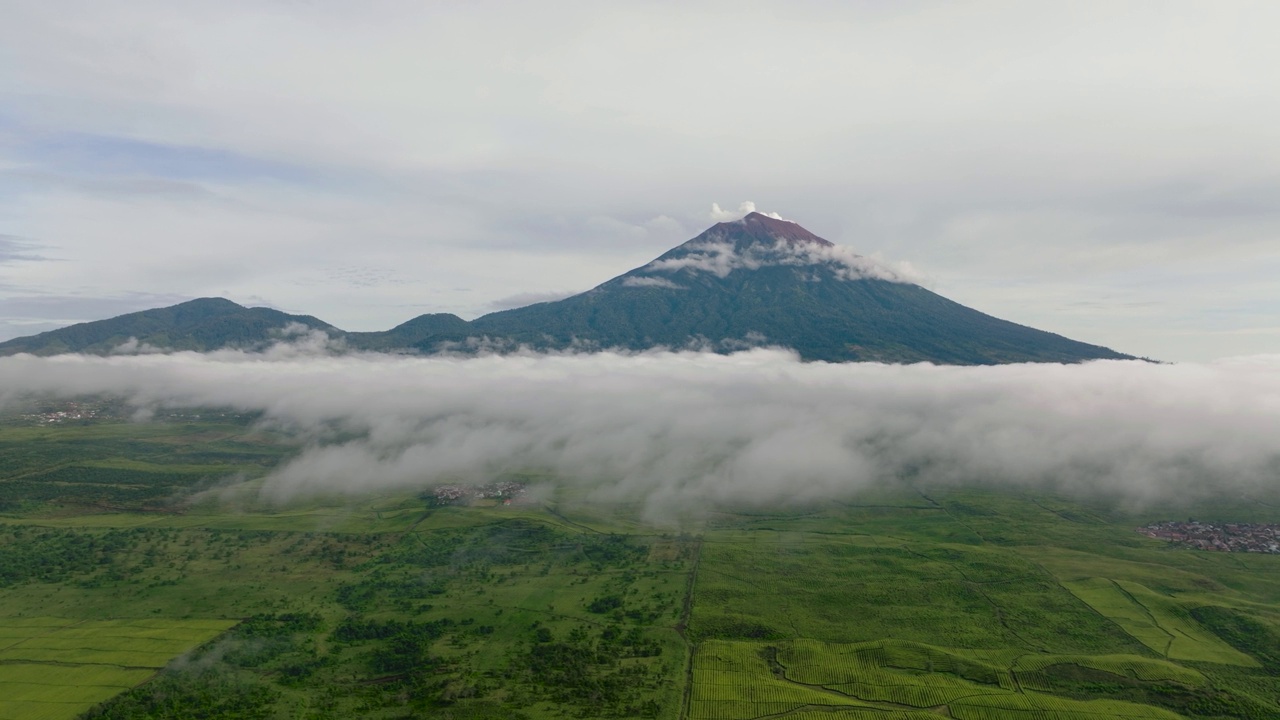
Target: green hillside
{"type": "Point", "coordinates": [830, 319]}
{"type": "Point", "coordinates": [202, 324]}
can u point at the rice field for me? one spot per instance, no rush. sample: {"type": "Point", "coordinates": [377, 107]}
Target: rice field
{"type": "Point", "coordinates": [55, 668]}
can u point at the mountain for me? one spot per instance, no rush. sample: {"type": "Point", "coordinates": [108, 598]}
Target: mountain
{"type": "Point", "coordinates": [755, 281]}
{"type": "Point", "coordinates": [764, 280]}
{"type": "Point", "coordinates": [203, 324]}
{"type": "Point", "coordinates": [421, 333]}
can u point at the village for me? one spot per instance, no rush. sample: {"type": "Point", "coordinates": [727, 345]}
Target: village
{"type": "Point", "coordinates": [505, 491]}
{"type": "Point", "coordinates": [72, 411]}
{"type": "Point", "coordinates": [1223, 537]}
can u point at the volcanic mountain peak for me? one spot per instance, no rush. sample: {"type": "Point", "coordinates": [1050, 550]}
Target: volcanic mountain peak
{"type": "Point", "coordinates": [759, 228]}
{"type": "Point", "coordinates": [754, 242]}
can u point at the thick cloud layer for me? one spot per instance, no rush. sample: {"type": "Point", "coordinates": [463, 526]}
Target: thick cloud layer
{"type": "Point", "coordinates": [677, 430]}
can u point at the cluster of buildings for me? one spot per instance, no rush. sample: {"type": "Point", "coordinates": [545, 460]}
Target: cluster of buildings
{"type": "Point", "coordinates": [73, 411]}
{"type": "Point", "coordinates": [506, 491]}
{"type": "Point", "coordinates": [1224, 537]}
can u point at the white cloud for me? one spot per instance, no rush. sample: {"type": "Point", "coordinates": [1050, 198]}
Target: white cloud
{"type": "Point", "coordinates": [682, 430]}
{"type": "Point", "coordinates": [720, 257]}
{"type": "Point", "coordinates": [133, 347]}
{"type": "Point", "coordinates": [746, 208]}
{"type": "Point", "coordinates": [717, 258]}
{"type": "Point", "coordinates": [653, 282]}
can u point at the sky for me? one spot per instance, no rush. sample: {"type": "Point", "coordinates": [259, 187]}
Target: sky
{"type": "Point", "coordinates": [1106, 170]}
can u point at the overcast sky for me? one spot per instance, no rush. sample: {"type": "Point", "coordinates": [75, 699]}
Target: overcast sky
{"type": "Point", "coordinates": [1109, 170]}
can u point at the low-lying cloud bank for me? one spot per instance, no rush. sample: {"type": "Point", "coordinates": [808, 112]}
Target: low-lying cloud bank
{"type": "Point", "coordinates": [673, 430]}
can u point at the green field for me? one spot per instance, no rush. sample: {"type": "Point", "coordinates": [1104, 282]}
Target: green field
{"type": "Point", "coordinates": [141, 575]}
{"type": "Point", "coordinates": [740, 680]}
{"type": "Point", "coordinates": [1160, 622]}
{"type": "Point", "coordinates": [52, 668]}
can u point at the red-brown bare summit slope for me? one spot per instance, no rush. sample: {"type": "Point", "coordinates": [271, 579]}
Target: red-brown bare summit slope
{"type": "Point", "coordinates": [765, 229]}
{"type": "Point", "coordinates": [757, 228]}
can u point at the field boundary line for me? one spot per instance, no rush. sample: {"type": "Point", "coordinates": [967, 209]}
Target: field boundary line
{"type": "Point", "coordinates": [66, 663]}
{"type": "Point", "coordinates": [977, 587]}
{"type": "Point", "coordinates": [879, 705]}
{"type": "Point", "coordinates": [1168, 644]}
{"type": "Point", "coordinates": [682, 629]}
{"type": "Point", "coordinates": [953, 518]}
{"type": "Point", "coordinates": [50, 632]}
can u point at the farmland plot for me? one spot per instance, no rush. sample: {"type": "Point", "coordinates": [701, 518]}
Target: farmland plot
{"type": "Point", "coordinates": [54, 668]}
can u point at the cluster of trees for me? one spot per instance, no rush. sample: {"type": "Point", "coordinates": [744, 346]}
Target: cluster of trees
{"type": "Point", "coordinates": [377, 664]}
{"type": "Point", "coordinates": [354, 629]}
{"type": "Point", "coordinates": [92, 557]}
{"type": "Point", "coordinates": [612, 551]}
{"type": "Point", "coordinates": [381, 586]}
{"type": "Point", "coordinates": [403, 647]}
{"type": "Point", "coordinates": [32, 554]}
{"type": "Point", "coordinates": [209, 692]}
{"type": "Point", "coordinates": [212, 685]}
{"type": "Point", "coordinates": [597, 673]}
{"type": "Point", "coordinates": [615, 606]}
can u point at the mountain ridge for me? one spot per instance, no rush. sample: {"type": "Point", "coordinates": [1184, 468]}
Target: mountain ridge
{"type": "Point", "coordinates": [755, 281]}
{"type": "Point", "coordinates": [201, 324]}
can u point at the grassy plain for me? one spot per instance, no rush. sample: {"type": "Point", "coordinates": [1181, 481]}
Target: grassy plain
{"type": "Point", "coordinates": [141, 576]}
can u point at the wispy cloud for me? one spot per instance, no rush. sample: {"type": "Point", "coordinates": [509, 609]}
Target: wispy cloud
{"type": "Point", "coordinates": [19, 249]}
{"type": "Point", "coordinates": [651, 282]}
{"type": "Point", "coordinates": [91, 155]}
{"type": "Point", "coordinates": [518, 300]}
